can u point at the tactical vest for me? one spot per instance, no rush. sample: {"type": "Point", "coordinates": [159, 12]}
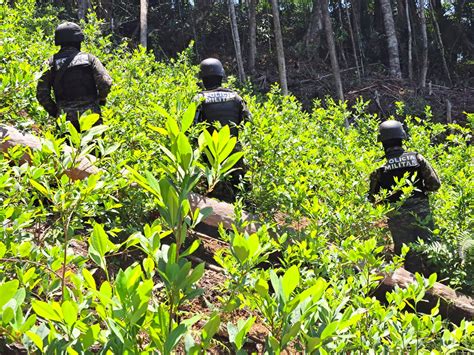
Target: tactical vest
{"type": "Point", "coordinates": [396, 166]}
{"type": "Point", "coordinates": [77, 82]}
{"type": "Point", "coordinates": [221, 105]}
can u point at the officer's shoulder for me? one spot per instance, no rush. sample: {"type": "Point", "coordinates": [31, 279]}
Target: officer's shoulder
{"type": "Point", "coordinates": [48, 63]}
{"type": "Point", "coordinates": [92, 58]}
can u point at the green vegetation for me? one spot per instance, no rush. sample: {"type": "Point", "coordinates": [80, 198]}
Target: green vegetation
{"type": "Point", "coordinates": [87, 267]}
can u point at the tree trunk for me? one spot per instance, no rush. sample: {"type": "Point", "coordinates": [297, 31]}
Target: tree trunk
{"type": "Point", "coordinates": [440, 43]}
{"type": "Point", "coordinates": [410, 42]}
{"type": "Point", "coordinates": [392, 42]}
{"type": "Point", "coordinates": [355, 4]}
{"type": "Point", "coordinates": [341, 42]}
{"type": "Point", "coordinates": [144, 23]}
{"type": "Point", "coordinates": [315, 27]}
{"type": "Point", "coordinates": [332, 49]}
{"type": "Point", "coordinates": [82, 9]}
{"type": "Point", "coordinates": [252, 34]}
{"type": "Point", "coordinates": [354, 49]}
{"type": "Point", "coordinates": [424, 46]}
{"type": "Point", "coordinates": [279, 47]}
{"type": "Point", "coordinates": [235, 37]}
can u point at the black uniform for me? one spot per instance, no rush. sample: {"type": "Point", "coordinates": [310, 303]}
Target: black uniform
{"type": "Point", "coordinates": [221, 105]}
{"type": "Point", "coordinates": [79, 82]}
{"type": "Point", "coordinates": [228, 108]}
{"type": "Point", "coordinates": [413, 219]}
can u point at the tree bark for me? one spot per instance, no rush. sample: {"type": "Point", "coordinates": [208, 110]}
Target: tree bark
{"type": "Point", "coordinates": [315, 27]}
{"type": "Point", "coordinates": [392, 42]}
{"type": "Point", "coordinates": [279, 47]}
{"type": "Point", "coordinates": [82, 9]}
{"type": "Point", "coordinates": [440, 43]}
{"type": "Point", "coordinates": [424, 45]}
{"type": "Point", "coordinates": [358, 34]}
{"type": "Point", "coordinates": [332, 49]}
{"type": "Point", "coordinates": [452, 305]}
{"type": "Point", "coordinates": [410, 42]}
{"type": "Point", "coordinates": [354, 48]}
{"type": "Point", "coordinates": [341, 42]}
{"type": "Point", "coordinates": [252, 34]}
{"type": "Point", "coordinates": [144, 23]}
{"type": "Point", "coordinates": [236, 39]}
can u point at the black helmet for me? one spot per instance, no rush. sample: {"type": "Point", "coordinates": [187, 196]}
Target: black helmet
{"type": "Point", "coordinates": [211, 67]}
{"type": "Point", "coordinates": [68, 32]}
{"type": "Point", "coordinates": [391, 129]}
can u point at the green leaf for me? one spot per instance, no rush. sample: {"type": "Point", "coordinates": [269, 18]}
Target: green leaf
{"type": "Point", "coordinates": [210, 328]}
{"type": "Point", "coordinates": [312, 343]}
{"type": "Point", "coordinates": [329, 330]}
{"type": "Point", "coordinates": [3, 250]}
{"type": "Point", "coordinates": [174, 337]}
{"type": "Point", "coordinates": [91, 336]}
{"type": "Point", "coordinates": [100, 241]}
{"type": "Point", "coordinates": [7, 291]}
{"type": "Point", "coordinates": [261, 286]}
{"type": "Point", "coordinates": [160, 130]}
{"type": "Point", "coordinates": [36, 339]}
{"type": "Point", "coordinates": [185, 151]}
{"type": "Point", "coordinates": [290, 281]}
{"type": "Point", "coordinates": [231, 161]}
{"type": "Point", "coordinates": [40, 188]}
{"type": "Point", "coordinates": [288, 336]}
{"type": "Point", "coordinates": [193, 247]}
{"type": "Point", "coordinates": [227, 149]}
{"type": "Point", "coordinates": [70, 310]}
{"type": "Point", "coordinates": [196, 274]}
{"type": "Point", "coordinates": [188, 117]}
{"type": "Point", "coordinates": [74, 137]}
{"type": "Point", "coordinates": [172, 128]}
{"type": "Point", "coordinates": [86, 122]}
{"type": "Point", "coordinates": [243, 329]}
{"type": "Point", "coordinates": [7, 315]}
{"type": "Point", "coordinates": [89, 278]}
{"type": "Point", "coordinates": [240, 248]}
{"type": "Point", "coordinates": [46, 311]}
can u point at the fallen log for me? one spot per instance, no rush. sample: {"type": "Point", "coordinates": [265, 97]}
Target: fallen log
{"type": "Point", "coordinates": [11, 137]}
{"type": "Point", "coordinates": [222, 213]}
{"type": "Point", "coordinates": [453, 305]}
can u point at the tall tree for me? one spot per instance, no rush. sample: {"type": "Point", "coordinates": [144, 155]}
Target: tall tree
{"type": "Point", "coordinates": [354, 48]}
{"type": "Point", "coordinates": [236, 39]}
{"type": "Point", "coordinates": [440, 42]}
{"type": "Point", "coordinates": [332, 48]}
{"type": "Point", "coordinates": [410, 42]}
{"type": "Point", "coordinates": [392, 42]}
{"type": "Point", "coordinates": [315, 28]}
{"type": "Point", "coordinates": [355, 5]}
{"type": "Point", "coordinates": [83, 6]}
{"type": "Point", "coordinates": [144, 23]}
{"type": "Point", "coordinates": [252, 34]}
{"type": "Point", "coordinates": [279, 46]}
{"type": "Point", "coordinates": [424, 45]}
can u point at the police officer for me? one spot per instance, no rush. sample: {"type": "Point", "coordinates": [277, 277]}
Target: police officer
{"type": "Point", "coordinates": [218, 104]}
{"type": "Point", "coordinates": [79, 80]}
{"type": "Point", "coordinates": [413, 219]}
